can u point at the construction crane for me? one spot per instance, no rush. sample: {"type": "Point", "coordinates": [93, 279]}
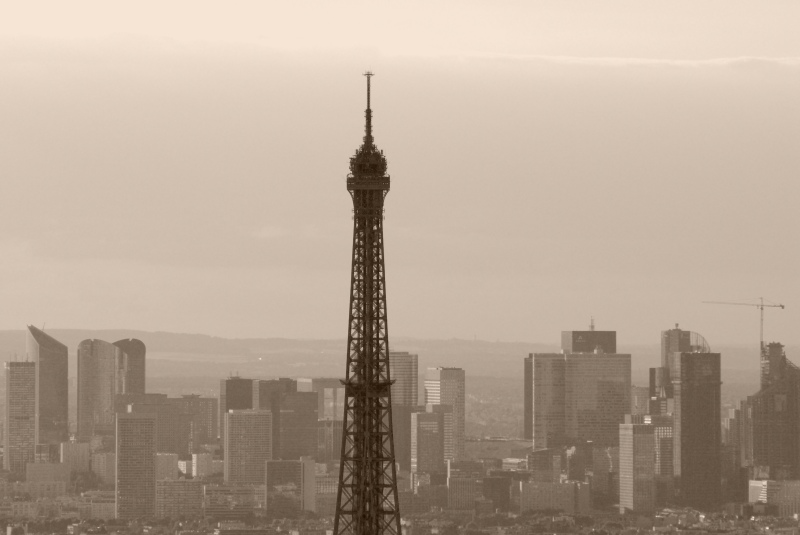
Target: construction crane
{"type": "Point", "coordinates": [761, 306]}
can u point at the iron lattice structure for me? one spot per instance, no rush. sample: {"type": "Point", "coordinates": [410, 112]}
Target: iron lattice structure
{"type": "Point", "coordinates": [366, 502]}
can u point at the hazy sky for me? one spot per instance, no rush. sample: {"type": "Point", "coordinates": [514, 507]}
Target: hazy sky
{"type": "Point", "coordinates": [180, 166]}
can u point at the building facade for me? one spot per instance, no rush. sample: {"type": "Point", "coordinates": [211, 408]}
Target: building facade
{"type": "Point", "coordinates": [235, 393]}
{"type": "Point", "coordinates": [21, 426]}
{"type": "Point", "coordinates": [579, 397]}
{"type": "Point", "coordinates": [104, 371]}
{"type": "Point", "coordinates": [51, 358]}
{"type": "Point", "coordinates": [697, 452]}
{"type": "Point", "coordinates": [637, 484]}
{"type": "Point", "coordinates": [136, 466]}
{"type": "Point", "coordinates": [447, 386]}
{"type": "Point", "coordinates": [248, 445]}
{"type": "Point", "coordinates": [290, 487]}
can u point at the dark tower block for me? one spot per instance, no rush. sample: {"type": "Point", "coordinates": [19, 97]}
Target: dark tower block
{"type": "Point", "coordinates": [366, 502]}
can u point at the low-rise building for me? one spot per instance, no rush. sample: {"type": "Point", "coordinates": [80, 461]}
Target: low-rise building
{"type": "Point", "coordinates": [570, 497]}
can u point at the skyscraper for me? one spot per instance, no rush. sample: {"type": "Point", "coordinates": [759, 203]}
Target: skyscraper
{"type": "Point", "coordinates": [136, 466]}
{"type": "Point", "coordinates": [578, 397]}
{"type": "Point", "coordinates": [21, 429]}
{"type": "Point", "coordinates": [105, 370]}
{"type": "Point", "coordinates": [697, 454]}
{"type": "Point", "coordinates": [132, 366]}
{"type": "Point", "coordinates": [366, 502]}
{"type": "Point", "coordinates": [405, 395]}
{"type": "Point", "coordinates": [447, 386]}
{"type": "Point", "coordinates": [206, 411]}
{"type": "Point", "coordinates": [527, 398]}
{"type": "Point", "coordinates": [405, 374]}
{"type": "Point", "coordinates": [235, 393]}
{"type": "Point", "coordinates": [248, 445]}
{"type": "Point", "coordinates": [427, 442]}
{"type": "Point", "coordinates": [51, 358]}
{"type": "Point", "coordinates": [772, 417]}
{"type": "Point", "coordinates": [637, 487]}
{"type": "Point", "coordinates": [331, 396]}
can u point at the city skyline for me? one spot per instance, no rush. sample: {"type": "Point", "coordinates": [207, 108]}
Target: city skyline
{"type": "Point", "coordinates": [645, 151]}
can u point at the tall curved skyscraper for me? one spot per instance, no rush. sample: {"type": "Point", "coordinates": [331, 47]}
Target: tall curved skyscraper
{"type": "Point", "coordinates": [51, 358]}
{"type": "Point", "coordinates": [132, 367]}
{"type": "Point", "coordinates": [105, 370]}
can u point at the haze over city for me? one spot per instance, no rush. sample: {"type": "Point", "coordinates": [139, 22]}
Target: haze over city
{"type": "Point", "coordinates": [182, 169]}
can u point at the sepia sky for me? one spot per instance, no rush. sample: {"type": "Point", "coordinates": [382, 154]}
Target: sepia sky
{"type": "Point", "coordinates": [181, 166]}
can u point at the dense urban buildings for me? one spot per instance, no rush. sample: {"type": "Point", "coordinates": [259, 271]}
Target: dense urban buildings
{"type": "Point", "coordinates": [51, 358]}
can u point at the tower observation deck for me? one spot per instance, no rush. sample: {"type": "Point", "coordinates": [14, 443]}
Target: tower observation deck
{"type": "Point", "coordinates": [366, 502]}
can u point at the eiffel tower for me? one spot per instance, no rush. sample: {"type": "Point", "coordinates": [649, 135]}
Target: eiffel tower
{"type": "Point", "coordinates": [366, 502]}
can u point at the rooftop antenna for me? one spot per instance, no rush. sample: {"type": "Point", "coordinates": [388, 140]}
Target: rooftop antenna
{"type": "Point", "coordinates": [368, 136]}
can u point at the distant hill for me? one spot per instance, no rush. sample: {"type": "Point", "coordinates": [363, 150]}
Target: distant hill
{"type": "Point", "coordinates": [197, 355]}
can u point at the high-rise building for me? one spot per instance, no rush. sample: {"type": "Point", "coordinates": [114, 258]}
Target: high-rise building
{"type": "Point", "coordinates": [401, 423]}
{"type": "Point", "coordinates": [447, 386]}
{"type": "Point", "coordinates": [51, 358]}
{"type": "Point", "coordinates": [248, 445]}
{"type": "Point", "coordinates": [131, 367]}
{"type": "Point", "coordinates": [329, 441]}
{"type": "Point", "coordinates": [579, 397]}
{"type": "Point", "coordinates": [205, 413]}
{"type": "Point", "coordinates": [235, 393]}
{"type": "Point", "coordinates": [298, 427]}
{"type": "Point", "coordinates": [405, 374]}
{"type": "Point", "coordinates": [527, 398]}
{"type": "Point", "coordinates": [773, 419]}
{"type": "Point", "coordinates": [637, 484]}
{"type": "Point", "coordinates": [589, 341]}
{"type": "Point", "coordinates": [405, 394]}
{"type": "Point", "coordinates": [104, 371]}
{"type": "Point", "coordinates": [427, 441]}
{"type": "Point", "coordinates": [664, 447]}
{"type": "Point", "coordinates": [136, 465]}
{"type": "Point", "coordinates": [291, 487]}
{"type": "Point", "coordinates": [175, 428]}
{"type": "Point", "coordinates": [697, 458]}
{"type": "Point", "coordinates": [331, 396]}
{"type": "Point", "coordinates": [367, 496]}
{"type": "Point", "coordinates": [20, 428]}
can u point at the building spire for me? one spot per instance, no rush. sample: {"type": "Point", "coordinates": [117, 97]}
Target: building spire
{"type": "Point", "coordinates": [368, 137]}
